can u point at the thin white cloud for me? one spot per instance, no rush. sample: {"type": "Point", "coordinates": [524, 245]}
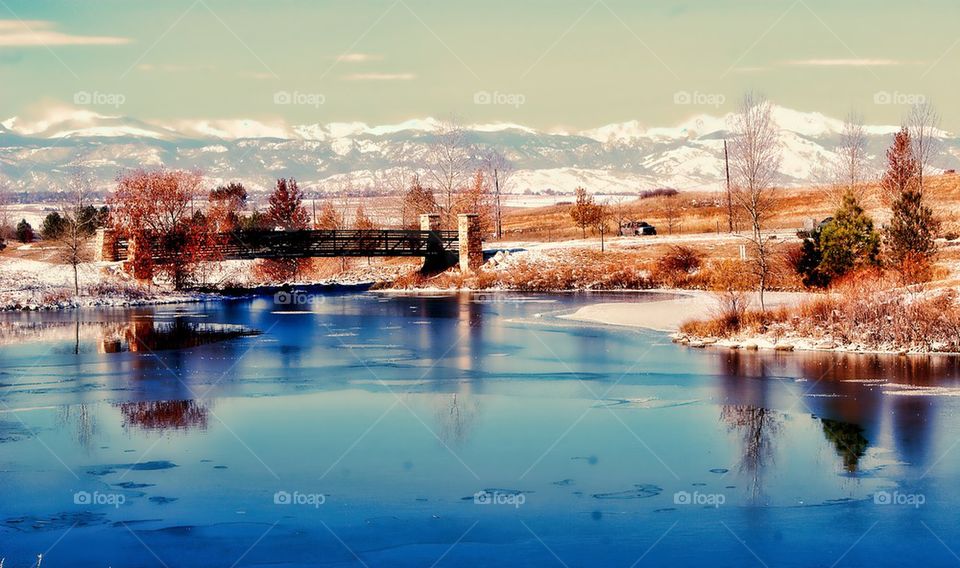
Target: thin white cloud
{"type": "Point", "coordinates": [358, 57]}
{"type": "Point", "coordinates": [258, 75]}
{"type": "Point", "coordinates": [845, 62]}
{"type": "Point", "coordinates": [231, 129]}
{"type": "Point", "coordinates": [172, 68]}
{"type": "Point", "coordinates": [380, 77]}
{"type": "Point", "coordinates": [33, 33]}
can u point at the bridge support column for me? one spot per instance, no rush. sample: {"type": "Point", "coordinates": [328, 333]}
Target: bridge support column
{"type": "Point", "coordinates": [430, 222]}
{"type": "Point", "coordinates": [106, 246]}
{"type": "Point", "coordinates": [471, 242]}
{"type": "Point", "coordinates": [437, 259]}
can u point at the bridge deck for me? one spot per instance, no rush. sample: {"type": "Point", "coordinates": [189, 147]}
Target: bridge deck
{"type": "Point", "coordinates": [325, 243]}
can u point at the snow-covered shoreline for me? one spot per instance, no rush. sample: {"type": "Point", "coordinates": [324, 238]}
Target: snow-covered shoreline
{"type": "Point", "coordinates": [32, 285]}
{"type": "Point", "coordinates": [668, 315]}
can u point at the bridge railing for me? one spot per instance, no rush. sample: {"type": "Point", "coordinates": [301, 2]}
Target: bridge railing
{"type": "Point", "coordinates": [244, 245]}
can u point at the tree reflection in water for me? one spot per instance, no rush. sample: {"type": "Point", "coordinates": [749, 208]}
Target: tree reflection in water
{"type": "Point", "coordinates": [147, 335]}
{"type": "Point", "coordinates": [456, 415]}
{"type": "Point", "coordinates": [84, 422]}
{"type": "Point", "coordinates": [848, 440]}
{"type": "Point", "coordinates": [758, 428]}
{"type": "Point", "coordinates": [164, 415]}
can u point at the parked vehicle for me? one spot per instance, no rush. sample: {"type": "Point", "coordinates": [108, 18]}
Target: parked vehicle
{"type": "Point", "coordinates": [637, 228]}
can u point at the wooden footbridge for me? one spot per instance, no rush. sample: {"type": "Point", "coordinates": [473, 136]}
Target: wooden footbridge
{"type": "Point", "coordinates": [439, 249]}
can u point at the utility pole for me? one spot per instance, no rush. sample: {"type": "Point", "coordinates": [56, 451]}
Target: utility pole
{"type": "Point", "coordinates": [496, 190]}
{"type": "Point", "coordinates": [726, 160]}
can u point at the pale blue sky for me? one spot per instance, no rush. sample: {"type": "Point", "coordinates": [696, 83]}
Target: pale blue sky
{"type": "Point", "coordinates": [554, 63]}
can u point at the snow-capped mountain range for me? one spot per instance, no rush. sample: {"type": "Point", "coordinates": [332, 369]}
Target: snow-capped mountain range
{"type": "Point", "coordinates": [39, 156]}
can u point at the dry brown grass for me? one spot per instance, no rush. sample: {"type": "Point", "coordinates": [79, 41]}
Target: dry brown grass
{"type": "Point", "coordinates": [577, 269]}
{"type": "Point", "coordinates": [705, 212]}
{"type": "Point", "coordinates": [588, 269]}
{"type": "Point", "coordinates": [870, 309]}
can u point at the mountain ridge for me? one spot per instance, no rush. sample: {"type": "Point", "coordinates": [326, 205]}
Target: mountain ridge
{"type": "Point", "coordinates": [616, 158]}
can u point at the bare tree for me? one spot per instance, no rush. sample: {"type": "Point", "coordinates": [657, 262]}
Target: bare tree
{"type": "Point", "coordinates": [477, 198]}
{"type": "Point", "coordinates": [78, 225]}
{"type": "Point", "coordinates": [755, 161]}
{"type": "Point", "coordinates": [395, 181]}
{"type": "Point", "coordinates": [6, 226]}
{"type": "Point", "coordinates": [924, 124]}
{"type": "Point", "coordinates": [850, 167]}
{"type": "Point", "coordinates": [449, 166]}
{"type": "Point", "coordinates": [728, 187]}
{"type": "Point", "coordinates": [619, 212]}
{"type": "Point", "coordinates": [416, 201]}
{"type": "Point", "coordinates": [602, 216]}
{"type": "Point", "coordinates": [499, 171]}
{"type": "Point", "coordinates": [672, 212]}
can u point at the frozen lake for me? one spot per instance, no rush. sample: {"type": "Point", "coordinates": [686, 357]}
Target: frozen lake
{"type": "Point", "coordinates": [458, 430]}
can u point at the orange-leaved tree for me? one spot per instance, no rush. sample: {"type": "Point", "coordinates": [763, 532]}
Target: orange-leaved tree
{"type": "Point", "coordinates": [285, 212]}
{"type": "Point", "coordinates": [155, 209]}
{"type": "Point", "coordinates": [225, 204]}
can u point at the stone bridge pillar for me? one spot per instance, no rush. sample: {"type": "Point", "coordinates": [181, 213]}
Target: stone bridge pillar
{"type": "Point", "coordinates": [437, 259]}
{"type": "Point", "coordinates": [471, 242]}
{"type": "Point", "coordinates": [430, 222]}
{"type": "Point", "coordinates": [106, 246]}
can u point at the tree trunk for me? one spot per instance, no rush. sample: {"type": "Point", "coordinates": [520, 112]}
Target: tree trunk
{"type": "Point", "coordinates": [726, 159]}
{"type": "Point", "coordinates": [496, 189]}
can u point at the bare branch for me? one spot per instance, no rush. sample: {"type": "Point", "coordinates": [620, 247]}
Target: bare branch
{"type": "Point", "coordinates": [924, 126]}
{"type": "Point", "coordinates": [755, 162]}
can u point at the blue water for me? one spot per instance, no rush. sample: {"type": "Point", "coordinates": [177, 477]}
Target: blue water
{"type": "Point", "coordinates": [458, 430]}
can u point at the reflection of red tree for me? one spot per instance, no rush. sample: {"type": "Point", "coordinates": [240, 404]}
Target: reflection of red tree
{"type": "Point", "coordinates": [143, 335]}
{"type": "Point", "coordinates": [164, 415]}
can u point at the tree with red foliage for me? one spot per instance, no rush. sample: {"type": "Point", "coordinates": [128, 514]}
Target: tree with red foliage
{"type": "Point", "coordinates": [903, 169]}
{"type": "Point", "coordinates": [910, 236]}
{"type": "Point", "coordinates": [329, 219]}
{"type": "Point", "coordinates": [287, 213]}
{"type": "Point", "coordinates": [154, 210]}
{"type": "Point", "coordinates": [286, 210]}
{"type": "Point", "coordinates": [584, 213]}
{"type": "Point", "coordinates": [225, 204]}
{"type": "Point", "coordinates": [361, 221]}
